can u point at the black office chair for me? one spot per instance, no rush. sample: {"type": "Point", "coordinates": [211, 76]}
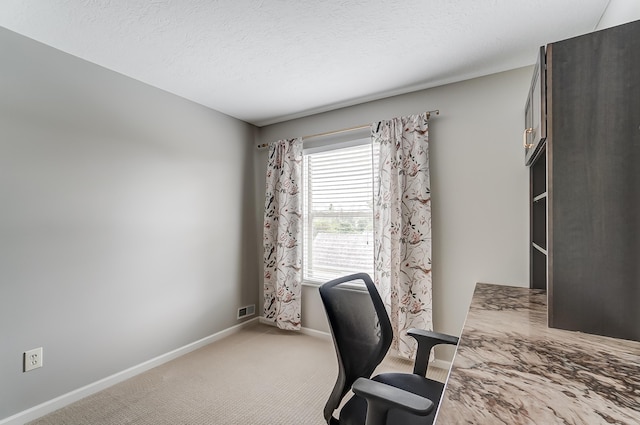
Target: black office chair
{"type": "Point", "coordinates": [362, 336]}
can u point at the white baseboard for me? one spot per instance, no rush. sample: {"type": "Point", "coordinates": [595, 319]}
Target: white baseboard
{"type": "Point", "coordinates": [266, 322]}
{"type": "Point", "coordinates": [75, 395]}
{"type": "Point", "coordinates": [318, 334]}
{"type": "Point", "coordinates": [306, 331]}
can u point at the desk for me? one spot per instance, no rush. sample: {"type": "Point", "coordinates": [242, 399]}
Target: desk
{"type": "Point", "coordinates": [510, 368]}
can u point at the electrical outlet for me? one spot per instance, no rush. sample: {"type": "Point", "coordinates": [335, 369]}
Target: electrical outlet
{"type": "Point", "coordinates": [32, 359]}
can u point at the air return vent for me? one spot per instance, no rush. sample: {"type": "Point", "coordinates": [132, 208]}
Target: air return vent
{"type": "Point", "coordinates": [245, 311]}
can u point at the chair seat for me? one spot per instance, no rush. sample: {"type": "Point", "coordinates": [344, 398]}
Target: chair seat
{"type": "Point", "coordinates": [354, 411]}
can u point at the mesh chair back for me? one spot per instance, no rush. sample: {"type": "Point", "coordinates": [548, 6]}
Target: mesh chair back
{"type": "Point", "coordinates": [360, 328]}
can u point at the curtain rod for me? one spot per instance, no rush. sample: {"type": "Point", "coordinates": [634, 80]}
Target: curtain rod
{"type": "Point", "coordinates": [359, 127]}
{"type": "Point", "coordinates": [345, 130]}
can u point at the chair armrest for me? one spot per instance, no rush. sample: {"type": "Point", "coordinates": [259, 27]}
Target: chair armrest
{"type": "Point", "coordinates": [426, 341]}
{"type": "Point", "coordinates": [382, 397]}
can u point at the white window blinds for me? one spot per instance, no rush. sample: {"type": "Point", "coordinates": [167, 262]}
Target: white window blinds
{"type": "Point", "coordinates": [338, 213]}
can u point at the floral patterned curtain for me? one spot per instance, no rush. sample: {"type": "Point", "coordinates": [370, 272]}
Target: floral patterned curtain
{"type": "Point", "coordinates": [283, 234]}
{"type": "Point", "coordinates": [402, 223]}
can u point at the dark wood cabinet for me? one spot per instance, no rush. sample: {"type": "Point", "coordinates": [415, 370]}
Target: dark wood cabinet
{"type": "Point", "coordinates": [535, 153]}
{"type": "Point", "coordinates": [535, 132]}
{"type": "Point", "coordinates": [591, 162]}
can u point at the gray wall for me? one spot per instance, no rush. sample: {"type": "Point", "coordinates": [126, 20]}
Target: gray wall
{"type": "Point", "coordinates": [478, 179]}
{"type": "Point", "coordinates": [126, 221]}
{"type": "Point", "coordinates": [619, 12]}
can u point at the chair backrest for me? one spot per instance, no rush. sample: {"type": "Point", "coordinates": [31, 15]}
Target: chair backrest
{"type": "Point", "coordinates": [360, 328]}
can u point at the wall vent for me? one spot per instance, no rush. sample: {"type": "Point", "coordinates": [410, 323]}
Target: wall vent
{"type": "Point", "coordinates": [245, 311]}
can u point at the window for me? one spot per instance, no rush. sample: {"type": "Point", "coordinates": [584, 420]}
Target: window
{"type": "Point", "coordinates": [338, 211]}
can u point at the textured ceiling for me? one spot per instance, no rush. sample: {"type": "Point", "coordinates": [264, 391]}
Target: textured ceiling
{"type": "Point", "coordinates": [266, 61]}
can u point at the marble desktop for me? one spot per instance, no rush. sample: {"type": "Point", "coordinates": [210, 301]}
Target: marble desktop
{"type": "Point", "coordinates": [510, 368]}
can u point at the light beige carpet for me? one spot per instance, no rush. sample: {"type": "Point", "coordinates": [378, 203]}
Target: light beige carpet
{"type": "Point", "coordinates": [260, 375]}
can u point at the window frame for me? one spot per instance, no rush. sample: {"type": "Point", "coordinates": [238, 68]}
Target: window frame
{"type": "Point", "coordinates": [326, 145]}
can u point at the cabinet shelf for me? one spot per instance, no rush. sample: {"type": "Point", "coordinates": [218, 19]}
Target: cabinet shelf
{"type": "Point", "coordinates": [539, 197]}
{"type": "Point", "coordinates": [539, 248]}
